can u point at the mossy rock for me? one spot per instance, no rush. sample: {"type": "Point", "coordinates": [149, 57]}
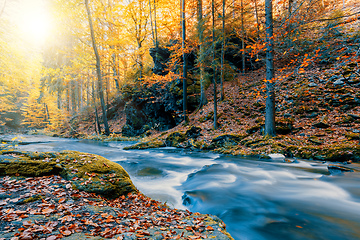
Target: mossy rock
{"type": "Point", "coordinates": [226, 140]}
{"type": "Point", "coordinates": [174, 139]}
{"type": "Point", "coordinates": [88, 172]}
{"type": "Point", "coordinates": [147, 144]}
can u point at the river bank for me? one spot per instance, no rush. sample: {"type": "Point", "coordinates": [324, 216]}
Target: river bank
{"type": "Point", "coordinates": [37, 205]}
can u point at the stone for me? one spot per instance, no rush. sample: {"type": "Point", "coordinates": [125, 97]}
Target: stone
{"type": "Point", "coordinates": [277, 156]}
{"type": "Point", "coordinates": [174, 139]}
{"type": "Point", "coordinates": [354, 116]}
{"type": "Point", "coordinates": [333, 77]}
{"type": "Point", "coordinates": [338, 82]}
{"type": "Point", "coordinates": [321, 125]}
{"type": "Point", "coordinates": [193, 132]}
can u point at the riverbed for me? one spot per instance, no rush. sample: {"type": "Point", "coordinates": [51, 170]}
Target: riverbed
{"type": "Point", "coordinates": [257, 199]}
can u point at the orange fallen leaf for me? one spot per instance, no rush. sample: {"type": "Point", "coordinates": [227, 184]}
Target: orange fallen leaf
{"type": "Point", "coordinates": [209, 228]}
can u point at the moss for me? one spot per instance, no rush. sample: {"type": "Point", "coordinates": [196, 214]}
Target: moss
{"type": "Point", "coordinates": [31, 199]}
{"type": "Point", "coordinates": [88, 172]}
{"type": "Point", "coordinates": [315, 140]}
{"type": "Point", "coordinates": [175, 138]}
{"type": "Point", "coordinates": [147, 144]}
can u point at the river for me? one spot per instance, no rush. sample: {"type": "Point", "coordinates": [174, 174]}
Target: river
{"type": "Point", "coordinates": [256, 199]}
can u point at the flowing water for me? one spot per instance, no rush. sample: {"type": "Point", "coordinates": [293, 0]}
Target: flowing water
{"type": "Point", "coordinates": [256, 199]}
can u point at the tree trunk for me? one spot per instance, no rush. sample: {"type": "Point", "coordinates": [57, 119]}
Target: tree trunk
{"type": "Point", "coordinates": [242, 37]}
{"type": "Point", "coordinates": [156, 37]}
{"type": "Point", "coordinates": [183, 27]}
{"type": "Point", "coordinates": [116, 72]}
{"type": "Point", "coordinates": [98, 70]}
{"type": "Point", "coordinates": [203, 100]}
{"type": "Point", "coordinates": [213, 62]}
{"type": "Point", "coordinates": [222, 53]}
{"type": "Point", "coordinates": [97, 123]}
{"type": "Point", "coordinates": [270, 93]}
{"type": "Point", "coordinates": [151, 23]}
{"type": "Point", "coordinates": [59, 98]}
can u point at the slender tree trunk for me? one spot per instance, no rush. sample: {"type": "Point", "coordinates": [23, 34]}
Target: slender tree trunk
{"type": "Point", "coordinates": [47, 118]}
{"type": "Point", "coordinates": [213, 62]}
{"type": "Point", "coordinates": [242, 37]}
{"type": "Point", "coordinates": [183, 27]}
{"type": "Point", "coordinates": [203, 100]}
{"type": "Point", "coordinates": [140, 61]}
{"type": "Point", "coordinates": [151, 23]}
{"type": "Point", "coordinates": [156, 36]}
{"type": "Point", "coordinates": [97, 122]}
{"type": "Point", "coordinates": [81, 94]}
{"type": "Point", "coordinates": [116, 72]}
{"type": "Point", "coordinates": [98, 70]}
{"type": "Point", "coordinates": [288, 27]}
{"type": "Point", "coordinates": [59, 99]}
{"type": "Point", "coordinates": [222, 53]}
{"type": "Point", "coordinates": [270, 92]}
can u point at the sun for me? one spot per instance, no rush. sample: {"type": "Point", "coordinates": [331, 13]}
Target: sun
{"type": "Point", "coordinates": [34, 21]}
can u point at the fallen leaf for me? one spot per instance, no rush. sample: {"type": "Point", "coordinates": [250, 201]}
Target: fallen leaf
{"type": "Point", "coordinates": [209, 228]}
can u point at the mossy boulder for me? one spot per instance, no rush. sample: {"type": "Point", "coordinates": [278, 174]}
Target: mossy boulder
{"type": "Point", "coordinates": [88, 172]}
{"type": "Point", "coordinates": [174, 139]}
{"type": "Point", "coordinates": [226, 140]}
{"type": "Point", "coordinates": [148, 144]}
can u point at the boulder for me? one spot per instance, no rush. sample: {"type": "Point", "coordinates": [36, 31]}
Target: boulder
{"type": "Point", "coordinates": [87, 172]}
{"type": "Point", "coordinates": [174, 139]}
{"type": "Point", "coordinates": [193, 132]}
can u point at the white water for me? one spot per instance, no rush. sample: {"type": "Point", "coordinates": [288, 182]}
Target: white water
{"type": "Point", "coordinates": [256, 199]}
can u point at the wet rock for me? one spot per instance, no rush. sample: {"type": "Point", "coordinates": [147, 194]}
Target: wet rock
{"type": "Point", "coordinates": [277, 156]}
{"type": "Point", "coordinates": [339, 82]}
{"type": "Point", "coordinates": [337, 169]}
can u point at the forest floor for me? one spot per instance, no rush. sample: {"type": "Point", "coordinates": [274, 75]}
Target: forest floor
{"type": "Point", "coordinates": [52, 196]}
{"type": "Point", "coordinates": [48, 208]}
{"type": "Point", "coordinates": [317, 117]}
